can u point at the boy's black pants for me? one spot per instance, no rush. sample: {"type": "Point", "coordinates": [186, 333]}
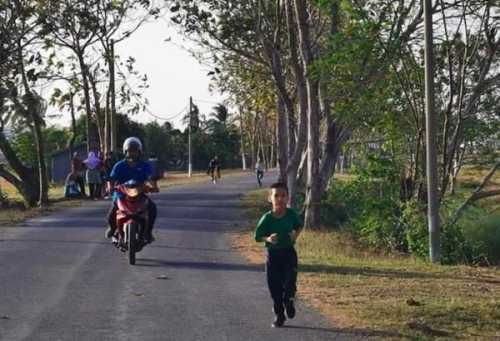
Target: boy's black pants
{"type": "Point", "coordinates": [281, 270]}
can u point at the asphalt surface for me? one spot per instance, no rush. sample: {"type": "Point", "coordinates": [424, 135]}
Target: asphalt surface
{"type": "Point", "coordinates": [61, 280]}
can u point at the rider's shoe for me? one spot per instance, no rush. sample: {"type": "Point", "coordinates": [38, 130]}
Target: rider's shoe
{"type": "Point", "coordinates": [149, 238]}
{"type": "Point", "coordinates": [110, 232]}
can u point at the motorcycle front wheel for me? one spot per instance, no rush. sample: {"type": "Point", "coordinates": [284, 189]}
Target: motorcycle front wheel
{"type": "Point", "coordinates": [132, 230]}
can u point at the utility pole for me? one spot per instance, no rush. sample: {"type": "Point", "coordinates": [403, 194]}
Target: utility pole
{"type": "Point", "coordinates": [431, 148]}
{"type": "Point", "coordinates": [113, 121]}
{"type": "Point", "coordinates": [190, 164]}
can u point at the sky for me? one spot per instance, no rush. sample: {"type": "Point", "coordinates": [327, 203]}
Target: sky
{"type": "Point", "coordinates": [173, 74]}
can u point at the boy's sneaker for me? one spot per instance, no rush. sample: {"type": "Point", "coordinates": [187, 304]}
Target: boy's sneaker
{"type": "Point", "coordinates": [290, 308]}
{"type": "Point", "coordinates": [279, 321]}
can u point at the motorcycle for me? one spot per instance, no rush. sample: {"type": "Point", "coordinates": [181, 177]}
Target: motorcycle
{"type": "Point", "coordinates": [132, 218]}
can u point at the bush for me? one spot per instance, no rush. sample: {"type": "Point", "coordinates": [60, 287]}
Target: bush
{"type": "Point", "coordinates": [414, 226]}
{"type": "Point", "coordinates": [483, 238]}
{"type": "Point", "coordinates": [368, 205]}
{"type": "Point", "coordinates": [475, 239]}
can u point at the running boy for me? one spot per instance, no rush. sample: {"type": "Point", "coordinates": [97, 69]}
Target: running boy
{"type": "Point", "coordinates": [279, 229]}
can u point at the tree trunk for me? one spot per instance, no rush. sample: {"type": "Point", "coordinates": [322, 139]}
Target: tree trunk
{"type": "Point", "coordinates": [282, 139]}
{"type": "Point", "coordinates": [71, 142]}
{"type": "Point", "coordinates": [113, 115]}
{"type": "Point", "coordinates": [42, 168]}
{"type": "Point", "coordinates": [25, 179]}
{"type": "Point", "coordinates": [242, 143]}
{"type": "Point", "coordinates": [335, 135]}
{"type": "Point", "coordinates": [32, 110]}
{"type": "Point", "coordinates": [296, 150]}
{"type": "Point", "coordinates": [313, 190]}
{"type": "Point", "coordinates": [91, 143]}
{"type": "Point", "coordinates": [97, 107]}
{"type": "Point", "coordinates": [272, 154]}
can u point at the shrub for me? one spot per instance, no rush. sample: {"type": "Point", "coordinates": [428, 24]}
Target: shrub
{"type": "Point", "coordinates": [368, 205]}
{"type": "Point", "coordinates": [483, 238]}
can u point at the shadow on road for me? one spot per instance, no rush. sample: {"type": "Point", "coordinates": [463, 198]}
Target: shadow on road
{"type": "Point", "coordinates": [191, 248]}
{"type": "Point", "coordinates": [217, 266]}
{"type": "Point", "coordinates": [190, 196]}
{"type": "Point", "coordinates": [55, 241]}
{"type": "Point", "coordinates": [344, 270]}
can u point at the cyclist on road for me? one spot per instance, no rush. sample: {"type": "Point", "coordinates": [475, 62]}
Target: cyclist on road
{"type": "Point", "coordinates": [214, 169]}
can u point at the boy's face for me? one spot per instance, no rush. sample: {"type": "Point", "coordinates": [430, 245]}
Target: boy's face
{"type": "Point", "coordinates": [278, 198]}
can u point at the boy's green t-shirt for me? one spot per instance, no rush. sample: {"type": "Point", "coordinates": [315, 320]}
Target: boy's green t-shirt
{"type": "Point", "coordinates": [268, 225]}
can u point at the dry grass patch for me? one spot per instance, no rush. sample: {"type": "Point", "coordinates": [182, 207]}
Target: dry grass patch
{"type": "Point", "coordinates": [16, 213]}
{"type": "Point", "coordinates": [391, 296]}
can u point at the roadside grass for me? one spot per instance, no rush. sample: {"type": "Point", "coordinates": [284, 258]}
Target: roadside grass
{"type": "Point", "coordinates": [16, 213]}
{"type": "Point", "coordinates": [385, 295]}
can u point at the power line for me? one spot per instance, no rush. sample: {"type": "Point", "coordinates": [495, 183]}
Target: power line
{"type": "Point", "coordinates": [206, 101]}
{"type": "Point", "coordinates": [168, 118]}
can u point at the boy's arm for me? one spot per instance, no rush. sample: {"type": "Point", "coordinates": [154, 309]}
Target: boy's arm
{"type": "Point", "coordinates": [261, 232]}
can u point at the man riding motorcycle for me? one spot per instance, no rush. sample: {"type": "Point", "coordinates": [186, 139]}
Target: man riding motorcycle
{"type": "Point", "coordinates": [131, 168]}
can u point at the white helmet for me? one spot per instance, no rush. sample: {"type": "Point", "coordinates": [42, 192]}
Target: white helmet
{"type": "Point", "coordinates": [132, 142]}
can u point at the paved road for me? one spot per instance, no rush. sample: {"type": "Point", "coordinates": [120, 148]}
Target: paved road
{"type": "Point", "coordinates": [60, 280]}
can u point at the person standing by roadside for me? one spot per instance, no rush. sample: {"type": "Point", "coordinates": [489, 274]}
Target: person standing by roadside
{"type": "Point", "coordinates": [107, 167]}
{"type": "Point", "coordinates": [78, 171]}
{"type": "Point", "coordinates": [93, 175]}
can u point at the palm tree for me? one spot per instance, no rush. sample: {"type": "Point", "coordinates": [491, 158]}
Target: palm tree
{"type": "Point", "coordinates": [220, 113]}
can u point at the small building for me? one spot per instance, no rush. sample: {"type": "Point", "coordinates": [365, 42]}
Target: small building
{"type": "Point", "coordinates": [61, 162]}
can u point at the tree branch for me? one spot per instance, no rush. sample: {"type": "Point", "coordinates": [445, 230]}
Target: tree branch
{"type": "Point", "coordinates": [477, 194]}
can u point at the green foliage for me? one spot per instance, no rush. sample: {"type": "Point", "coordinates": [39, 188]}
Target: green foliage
{"type": "Point", "coordinates": [414, 224]}
{"type": "Point", "coordinates": [4, 200]}
{"type": "Point", "coordinates": [474, 240]}
{"type": "Point", "coordinates": [482, 233]}
{"type": "Point", "coordinates": [24, 146]}
{"type": "Point", "coordinates": [369, 203]}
